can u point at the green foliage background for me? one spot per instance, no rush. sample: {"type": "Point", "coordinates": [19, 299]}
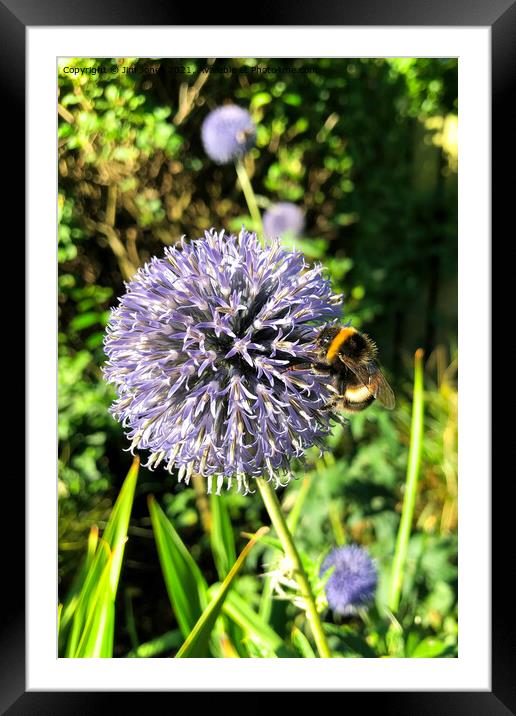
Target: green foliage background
{"type": "Point", "coordinates": [368, 149]}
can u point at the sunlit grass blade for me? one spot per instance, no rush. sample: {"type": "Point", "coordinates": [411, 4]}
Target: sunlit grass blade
{"type": "Point", "coordinates": [409, 500]}
{"type": "Point", "coordinates": [116, 528]}
{"type": "Point", "coordinates": [227, 648]}
{"type": "Point", "coordinates": [395, 638]}
{"type": "Point", "coordinates": [196, 643]}
{"type": "Point", "coordinates": [254, 627]}
{"type": "Point", "coordinates": [221, 536]}
{"type": "Point", "coordinates": [226, 636]}
{"type": "Point", "coordinates": [92, 610]}
{"type": "Point", "coordinates": [186, 586]}
{"type": "Point", "coordinates": [265, 539]}
{"type": "Point", "coordinates": [70, 603]}
{"type": "Point", "coordinates": [302, 644]}
{"type": "Point", "coordinates": [97, 635]}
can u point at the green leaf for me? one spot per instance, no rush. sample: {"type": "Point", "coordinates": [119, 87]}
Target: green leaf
{"type": "Point", "coordinates": [221, 536]}
{"type": "Point", "coordinates": [260, 99]}
{"type": "Point", "coordinates": [269, 541]}
{"type": "Point", "coordinates": [292, 98]}
{"type": "Point", "coordinates": [92, 611]}
{"type": "Point", "coordinates": [253, 626]}
{"type": "Point", "coordinates": [350, 641]}
{"type": "Point", "coordinates": [196, 643]}
{"type": "Point", "coordinates": [115, 533]}
{"type": "Point", "coordinates": [428, 648]}
{"type": "Point", "coordinates": [97, 636]}
{"type": "Point", "coordinates": [70, 604]}
{"type": "Point", "coordinates": [394, 638]}
{"type": "Point", "coordinates": [165, 642]}
{"type": "Point", "coordinates": [111, 93]}
{"type": "Point", "coordinates": [312, 248]}
{"type": "Point", "coordinates": [302, 644]}
{"type": "Point", "coordinates": [85, 320]}
{"type": "Point", "coordinates": [186, 587]}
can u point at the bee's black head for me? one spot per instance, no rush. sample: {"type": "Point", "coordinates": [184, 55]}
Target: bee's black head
{"type": "Point", "coordinates": [326, 336]}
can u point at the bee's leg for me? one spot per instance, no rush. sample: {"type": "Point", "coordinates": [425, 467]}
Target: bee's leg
{"type": "Point", "coordinates": [315, 367]}
{"type": "Point", "coordinates": [331, 405]}
{"type": "Point", "coordinates": [334, 403]}
{"type": "Point", "coordinates": [298, 366]}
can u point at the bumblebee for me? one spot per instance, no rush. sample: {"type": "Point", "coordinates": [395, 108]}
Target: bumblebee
{"type": "Point", "coordinates": [351, 358]}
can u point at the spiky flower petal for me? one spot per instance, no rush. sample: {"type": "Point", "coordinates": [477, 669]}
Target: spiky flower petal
{"type": "Point", "coordinates": [211, 352]}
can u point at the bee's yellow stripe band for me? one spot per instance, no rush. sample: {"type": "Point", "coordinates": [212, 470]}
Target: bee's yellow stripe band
{"type": "Point", "coordinates": [358, 395]}
{"type": "Point", "coordinates": [336, 343]}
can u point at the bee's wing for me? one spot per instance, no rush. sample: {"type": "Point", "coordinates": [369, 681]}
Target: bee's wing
{"type": "Point", "coordinates": [384, 392]}
{"type": "Point", "coordinates": [372, 377]}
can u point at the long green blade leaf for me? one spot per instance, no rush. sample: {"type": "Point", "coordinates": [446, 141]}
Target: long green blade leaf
{"type": "Point", "coordinates": [254, 627]}
{"type": "Point", "coordinates": [72, 598]}
{"type": "Point", "coordinates": [196, 643]}
{"type": "Point", "coordinates": [302, 644]}
{"type": "Point", "coordinates": [409, 501]}
{"type": "Point", "coordinates": [186, 587]}
{"type": "Point", "coordinates": [92, 615]}
{"type": "Point", "coordinates": [221, 536]}
{"type": "Point", "coordinates": [97, 635]}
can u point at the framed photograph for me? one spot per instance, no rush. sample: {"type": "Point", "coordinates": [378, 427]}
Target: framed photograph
{"type": "Point", "coordinates": [254, 256]}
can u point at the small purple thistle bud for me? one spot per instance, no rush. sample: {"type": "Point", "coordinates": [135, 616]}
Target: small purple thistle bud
{"type": "Point", "coordinates": [211, 352]}
{"type": "Point", "coordinates": [228, 133]}
{"type": "Point", "coordinates": [282, 218]}
{"type": "Point", "coordinates": [353, 581]}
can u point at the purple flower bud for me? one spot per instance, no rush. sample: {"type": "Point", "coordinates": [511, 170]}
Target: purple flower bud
{"type": "Point", "coordinates": [228, 133]}
{"type": "Point", "coordinates": [210, 351]}
{"type": "Point", "coordinates": [352, 583]}
{"type": "Point", "coordinates": [283, 217]}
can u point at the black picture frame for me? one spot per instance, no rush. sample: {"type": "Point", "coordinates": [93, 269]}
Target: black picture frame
{"type": "Point", "coordinates": [500, 16]}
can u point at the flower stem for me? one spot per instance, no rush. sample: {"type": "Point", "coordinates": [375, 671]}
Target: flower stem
{"type": "Point", "coordinates": [202, 502]}
{"type": "Point", "coordinates": [409, 501]}
{"type": "Point", "coordinates": [247, 188]}
{"type": "Point", "coordinates": [273, 507]}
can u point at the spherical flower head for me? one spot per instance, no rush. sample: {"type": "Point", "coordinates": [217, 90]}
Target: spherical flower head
{"type": "Point", "coordinates": [283, 218]}
{"type": "Point", "coordinates": [211, 352]}
{"type": "Point", "coordinates": [352, 583]}
{"type": "Point", "coordinates": [228, 133]}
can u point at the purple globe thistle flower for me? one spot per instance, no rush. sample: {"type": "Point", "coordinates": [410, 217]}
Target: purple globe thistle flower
{"type": "Point", "coordinates": [283, 217]}
{"type": "Point", "coordinates": [228, 133]}
{"type": "Point", "coordinates": [210, 351]}
{"type": "Point", "coordinates": [352, 583]}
